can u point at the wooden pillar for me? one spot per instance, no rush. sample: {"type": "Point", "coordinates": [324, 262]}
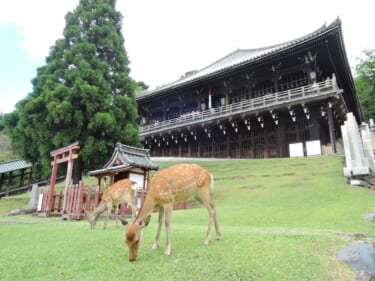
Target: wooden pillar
{"type": "Point", "coordinates": [240, 149]}
{"type": "Point", "coordinates": [266, 135]}
{"type": "Point", "coordinates": [51, 190]}
{"type": "Point", "coordinates": [281, 140]}
{"type": "Point", "coordinates": [10, 175]}
{"type": "Point", "coordinates": [252, 143]}
{"type": "Point", "coordinates": [68, 177]}
{"type": "Point", "coordinates": [1, 180]}
{"type": "Point", "coordinates": [199, 149]}
{"type": "Point", "coordinates": [22, 177]}
{"type": "Point", "coordinates": [227, 150]}
{"type": "Point", "coordinates": [212, 149]}
{"type": "Point", "coordinates": [331, 128]}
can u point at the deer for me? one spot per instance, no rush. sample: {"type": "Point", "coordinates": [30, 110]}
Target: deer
{"type": "Point", "coordinates": [178, 183]}
{"type": "Point", "coordinates": [121, 191]}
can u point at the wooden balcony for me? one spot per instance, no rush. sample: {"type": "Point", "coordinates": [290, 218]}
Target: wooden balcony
{"type": "Point", "coordinates": [273, 101]}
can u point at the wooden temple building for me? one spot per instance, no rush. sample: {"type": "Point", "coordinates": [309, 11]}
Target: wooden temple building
{"type": "Point", "coordinates": [255, 103]}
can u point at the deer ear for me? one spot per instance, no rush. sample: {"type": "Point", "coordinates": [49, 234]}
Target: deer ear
{"type": "Point", "coordinates": [145, 222]}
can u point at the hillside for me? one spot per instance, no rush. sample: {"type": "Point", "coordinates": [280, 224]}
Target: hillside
{"type": "Point", "coordinates": [281, 219]}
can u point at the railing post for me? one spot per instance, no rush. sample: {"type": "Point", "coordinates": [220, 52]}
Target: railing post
{"type": "Point", "coordinates": [334, 82]}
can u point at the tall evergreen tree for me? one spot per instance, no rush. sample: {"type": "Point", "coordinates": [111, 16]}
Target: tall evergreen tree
{"type": "Point", "coordinates": [83, 92]}
{"type": "Point", "coordinates": [365, 83]}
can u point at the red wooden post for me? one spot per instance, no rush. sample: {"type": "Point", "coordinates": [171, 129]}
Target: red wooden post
{"type": "Point", "coordinates": [88, 199]}
{"type": "Point", "coordinates": [96, 198]}
{"type": "Point", "coordinates": [60, 201]}
{"type": "Point", "coordinates": [52, 186]}
{"type": "Point", "coordinates": [81, 191]}
{"type": "Point", "coordinates": [68, 199]}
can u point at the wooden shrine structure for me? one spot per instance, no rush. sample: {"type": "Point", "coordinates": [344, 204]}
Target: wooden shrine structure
{"type": "Point", "coordinates": [15, 177]}
{"type": "Point", "coordinates": [125, 162]}
{"type": "Point", "coordinates": [128, 162]}
{"type": "Point", "coordinates": [256, 103]}
{"type": "Point", "coordinates": [61, 155]}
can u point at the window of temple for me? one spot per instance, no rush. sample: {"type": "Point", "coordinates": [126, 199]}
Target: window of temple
{"type": "Point", "coordinates": [175, 149]}
{"type": "Point", "coordinates": [184, 150]}
{"type": "Point", "coordinates": [191, 107]}
{"type": "Point", "coordinates": [194, 149]}
{"type": "Point", "coordinates": [303, 125]}
{"type": "Point", "coordinates": [207, 150]}
{"type": "Point", "coordinates": [234, 150]}
{"type": "Point", "coordinates": [173, 112]}
{"type": "Point", "coordinates": [247, 149]}
{"type": "Point", "coordinates": [156, 117]}
{"type": "Point", "coordinates": [219, 101]}
{"type": "Point", "coordinates": [293, 80]}
{"type": "Point", "coordinates": [240, 94]}
{"type": "Point", "coordinates": [259, 144]}
{"type": "Point", "coordinates": [220, 150]}
{"type": "Point", "coordinates": [263, 88]}
{"type": "Point", "coordinates": [291, 136]}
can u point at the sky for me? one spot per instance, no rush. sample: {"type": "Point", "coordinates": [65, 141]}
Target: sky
{"type": "Point", "coordinates": [164, 38]}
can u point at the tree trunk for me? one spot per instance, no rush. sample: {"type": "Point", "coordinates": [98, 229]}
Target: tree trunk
{"type": "Point", "coordinates": [77, 170]}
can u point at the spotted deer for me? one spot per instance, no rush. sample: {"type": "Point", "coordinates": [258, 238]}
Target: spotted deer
{"type": "Point", "coordinates": [121, 191]}
{"type": "Point", "coordinates": [175, 184]}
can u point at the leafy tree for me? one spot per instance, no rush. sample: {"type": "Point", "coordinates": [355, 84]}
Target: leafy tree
{"type": "Point", "coordinates": [83, 92]}
{"type": "Point", "coordinates": [365, 83]}
{"type": "Point", "coordinates": [1, 122]}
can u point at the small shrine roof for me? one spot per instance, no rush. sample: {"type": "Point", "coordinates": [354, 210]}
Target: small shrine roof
{"type": "Point", "coordinates": [124, 157]}
{"type": "Point", "coordinates": [241, 57]}
{"type": "Point", "coordinates": [14, 165]}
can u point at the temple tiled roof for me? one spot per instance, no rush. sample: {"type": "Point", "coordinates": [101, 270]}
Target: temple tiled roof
{"type": "Point", "coordinates": [14, 165]}
{"type": "Point", "coordinates": [125, 156]}
{"type": "Point", "coordinates": [242, 57]}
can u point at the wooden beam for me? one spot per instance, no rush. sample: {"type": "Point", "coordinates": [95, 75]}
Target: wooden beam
{"type": "Point", "coordinates": [331, 128]}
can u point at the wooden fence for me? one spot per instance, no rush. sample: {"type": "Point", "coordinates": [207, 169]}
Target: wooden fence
{"type": "Point", "coordinates": [78, 198]}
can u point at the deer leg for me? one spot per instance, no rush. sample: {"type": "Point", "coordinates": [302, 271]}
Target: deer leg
{"type": "Point", "coordinates": [116, 215]}
{"type": "Point", "coordinates": [204, 199]}
{"type": "Point", "coordinates": [168, 216]}
{"type": "Point", "coordinates": [134, 210]}
{"type": "Point", "coordinates": [212, 217]}
{"type": "Point", "coordinates": [217, 228]}
{"type": "Point", "coordinates": [157, 238]}
{"type": "Point", "coordinates": [106, 217]}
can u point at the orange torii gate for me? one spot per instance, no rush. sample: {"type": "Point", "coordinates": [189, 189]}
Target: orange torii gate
{"type": "Point", "coordinates": [61, 155]}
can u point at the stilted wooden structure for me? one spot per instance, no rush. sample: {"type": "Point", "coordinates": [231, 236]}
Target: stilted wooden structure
{"type": "Point", "coordinates": [256, 103]}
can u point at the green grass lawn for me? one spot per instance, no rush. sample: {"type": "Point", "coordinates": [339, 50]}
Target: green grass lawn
{"type": "Point", "coordinates": [281, 219]}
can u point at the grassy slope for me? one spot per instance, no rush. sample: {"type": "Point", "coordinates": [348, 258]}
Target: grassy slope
{"type": "Point", "coordinates": [279, 220]}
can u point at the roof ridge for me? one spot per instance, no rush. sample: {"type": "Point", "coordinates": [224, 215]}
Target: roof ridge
{"type": "Point", "coordinates": [258, 54]}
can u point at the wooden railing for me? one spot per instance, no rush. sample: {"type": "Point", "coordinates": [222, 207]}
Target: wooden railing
{"type": "Point", "coordinates": [313, 91]}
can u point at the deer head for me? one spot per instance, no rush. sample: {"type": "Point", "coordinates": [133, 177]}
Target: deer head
{"type": "Point", "coordinates": [134, 235]}
{"type": "Point", "coordinates": [91, 218]}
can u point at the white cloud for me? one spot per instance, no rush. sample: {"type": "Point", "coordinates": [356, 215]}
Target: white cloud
{"type": "Point", "coordinates": [166, 38]}
{"type": "Point", "coordinates": [41, 22]}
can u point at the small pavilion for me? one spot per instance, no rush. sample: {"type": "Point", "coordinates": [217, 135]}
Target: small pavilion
{"type": "Point", "coordinates": [127, 162]}
{"type": "Point", "coordinates": [14, 175]}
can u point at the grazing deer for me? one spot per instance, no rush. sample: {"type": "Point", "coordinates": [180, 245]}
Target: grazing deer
{"type": "Point", "coordinates": [121, 191]}
{"type": "Point", "coordinates": [178, 183]}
